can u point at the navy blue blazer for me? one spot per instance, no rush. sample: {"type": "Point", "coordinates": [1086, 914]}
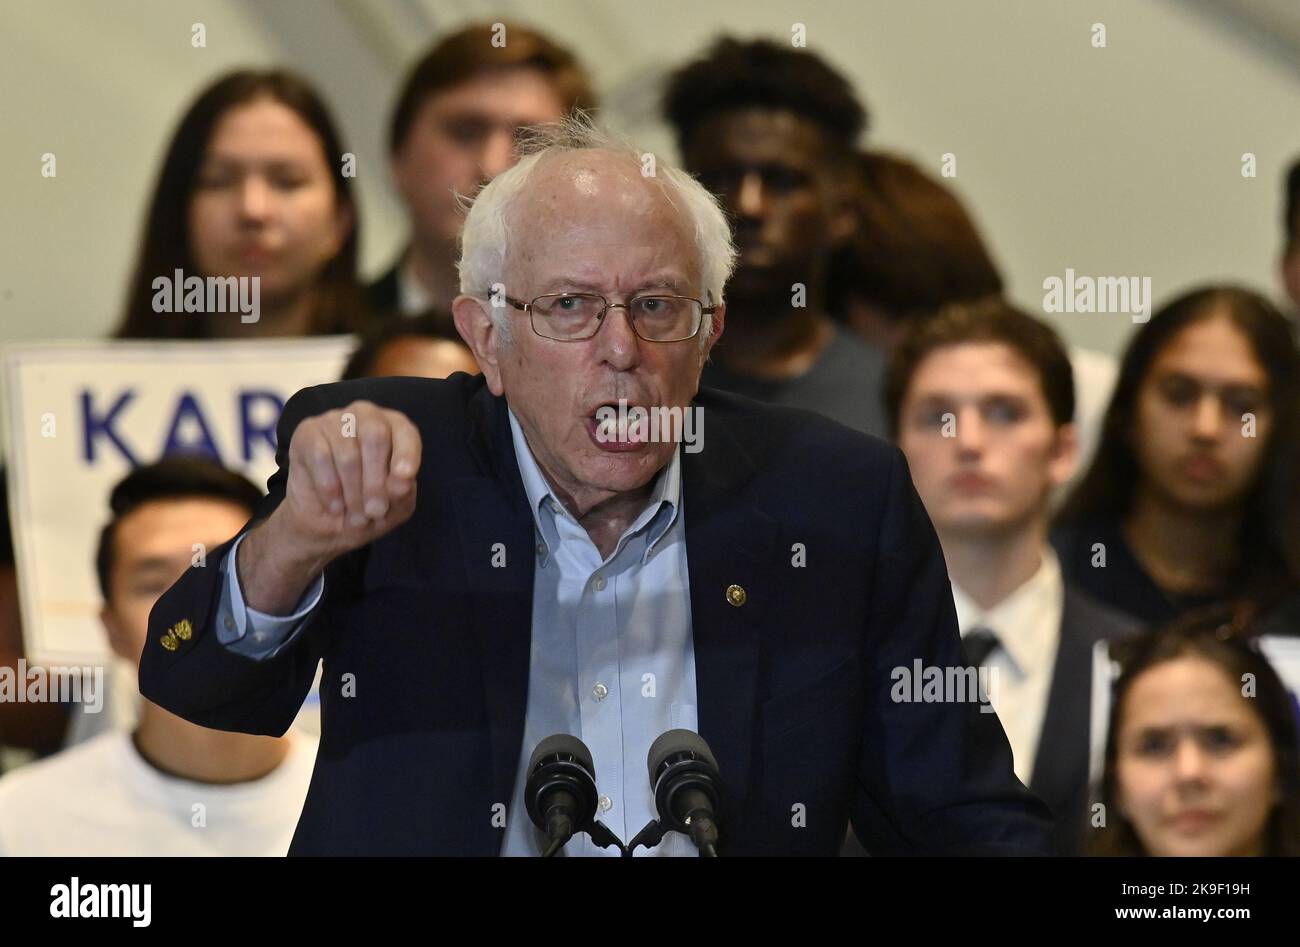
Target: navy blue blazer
{"type": "Point", "coordinates": [793, 685]}
{"type": "Point", "coordinates": [1060, 776]}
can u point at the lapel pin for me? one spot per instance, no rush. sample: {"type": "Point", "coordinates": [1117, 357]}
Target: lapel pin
{"type": "Point", "coordinates": [736, 595]}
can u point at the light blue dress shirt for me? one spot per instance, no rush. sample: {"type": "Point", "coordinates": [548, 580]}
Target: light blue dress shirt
{"type": "Point", "coordinates": [612, 658]}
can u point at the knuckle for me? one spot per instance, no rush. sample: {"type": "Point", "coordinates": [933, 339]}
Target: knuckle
{"type": "Point", "coordinates": [347, 460]}
{"type": "Point", "coordinates": [317, 453]}
{"type": "Point", "coordinates": [374, 437]}
{"type": "Point", "coordinates": [303, 435]}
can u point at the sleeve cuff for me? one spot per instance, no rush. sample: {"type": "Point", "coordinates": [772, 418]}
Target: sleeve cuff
{"type": "Point", "coordinates": [253, 633]}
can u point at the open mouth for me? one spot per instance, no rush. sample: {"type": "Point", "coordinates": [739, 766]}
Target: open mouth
{"type": "Point", "coordinates": [615, 426]}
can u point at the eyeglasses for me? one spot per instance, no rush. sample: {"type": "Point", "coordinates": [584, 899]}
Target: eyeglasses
{"type": "Point", "coordinates": [576, 317]}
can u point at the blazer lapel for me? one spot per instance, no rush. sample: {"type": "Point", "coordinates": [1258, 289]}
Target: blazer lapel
{"type": "Point", "coordinates": [1061, 763]}
{"type": "Point", "coordinates": [731, 551]}
{"type": "Point", "coordinates": [492, 509]}
{"type": "Point", "coordinates": [729, 542]}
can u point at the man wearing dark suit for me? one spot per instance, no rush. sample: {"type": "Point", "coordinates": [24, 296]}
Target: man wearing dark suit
{"type": "Point", "coordinates": [982, 401]}
{"type": "Point", "coordinates": [541, 581]}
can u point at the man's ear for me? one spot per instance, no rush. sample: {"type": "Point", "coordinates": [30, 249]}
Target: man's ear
{"type": "Point", "coordinates": [1064, 460]}
{"type": "Point", "coordinates": [473, 318]}
{"type": "Point", "coordinates": [715, 331]}
{"type": "Point", "coordinates": [843, 218]}
{"type": "Point", "coordinates": [397, 173]}
{"type": "Point", "coordinates": [1289, 268]}
{"type": "Point", "coordinates": [844, 224]}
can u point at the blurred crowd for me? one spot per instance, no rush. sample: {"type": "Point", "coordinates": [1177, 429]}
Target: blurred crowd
{"type": "Point", "coordinates": [1149, 501]}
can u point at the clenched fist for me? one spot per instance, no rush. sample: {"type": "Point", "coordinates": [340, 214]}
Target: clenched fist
{"type": "Point", "coordinates": [351, 480]}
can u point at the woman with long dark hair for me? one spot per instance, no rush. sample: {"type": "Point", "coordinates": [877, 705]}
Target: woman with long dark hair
{"type": "Point", "coordinates": [252, 185]}
{"type": "Point", "coordinates": [1201, 755]}
{"type": "Point", "coordinates": [1193, 496]}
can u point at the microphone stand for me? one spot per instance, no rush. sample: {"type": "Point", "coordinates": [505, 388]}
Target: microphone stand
{"type": "Point", "coordinates": [703, 834]}
{"type": "Point", "coordinates": [601, 834]}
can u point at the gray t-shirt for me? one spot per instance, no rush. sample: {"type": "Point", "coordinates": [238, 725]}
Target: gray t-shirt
{"type": "Point", "coordinates": [846, 384]}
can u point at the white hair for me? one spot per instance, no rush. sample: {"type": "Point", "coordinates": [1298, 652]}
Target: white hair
{"type": "Point", "coordinates": [486, 234]}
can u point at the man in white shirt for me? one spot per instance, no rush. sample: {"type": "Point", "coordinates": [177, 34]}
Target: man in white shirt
{"type": "Point", "coordinates": [166, 787]}
{"type": "Point", "coordinates": [982, 401]}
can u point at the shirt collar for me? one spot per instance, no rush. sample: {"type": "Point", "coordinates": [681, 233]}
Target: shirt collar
{"type": "Point", "coordinates": [1019, 618]}
{"type": "Point", "coordinates": [544, 505]}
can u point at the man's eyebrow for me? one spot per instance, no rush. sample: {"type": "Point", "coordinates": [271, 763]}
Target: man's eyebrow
{"type": "Point", "coordinates": [930, 400]}
{"type": "Point", "coordinates": [569, 283]}
{"type": "Point", "coordinates": [662, 282]}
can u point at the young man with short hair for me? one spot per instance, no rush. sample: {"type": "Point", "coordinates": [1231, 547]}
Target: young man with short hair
{"type": "Point", "coordinates": [453, 129]}
{"type": "Point", "coordinates": [981, 400]}
{"type": "Point", "coordinates": [169, 787]}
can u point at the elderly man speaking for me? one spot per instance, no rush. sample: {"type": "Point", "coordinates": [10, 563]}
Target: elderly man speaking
{"type": "Point", "coordinates": [483, 562]}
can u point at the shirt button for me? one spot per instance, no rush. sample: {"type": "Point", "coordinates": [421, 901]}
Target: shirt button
{"type": "Point", "coordinates": [600, 583]}
{"type": "Point", "coordinates": [600, 692]}
{"type": "Point", "coordinates": [606, 803]}
{"type": "Point", "coordinates": [230, 623]}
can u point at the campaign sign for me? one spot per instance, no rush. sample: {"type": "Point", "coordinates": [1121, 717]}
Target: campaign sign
{"type": "Point", "coordinates": [81, 415]}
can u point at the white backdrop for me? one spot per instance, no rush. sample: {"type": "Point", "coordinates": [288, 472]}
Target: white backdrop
{"type": "Point", "coordinates": [1118, 161]}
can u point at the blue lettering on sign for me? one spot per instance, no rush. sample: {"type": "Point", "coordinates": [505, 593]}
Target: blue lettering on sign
{"type": "Point", "coordinates": [95, 426]}
{"type": "Point", "coordinates": [252, 430]}
{"type": "Point", "coordinates": [188, 407]}
{"type": "Point", "coordinates": [188, 431]}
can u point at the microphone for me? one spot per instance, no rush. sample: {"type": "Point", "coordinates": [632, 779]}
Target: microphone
{"type": "Point", "coordinates": [687, 787]}
{"type": "Point", "coordinates": [560, 794]}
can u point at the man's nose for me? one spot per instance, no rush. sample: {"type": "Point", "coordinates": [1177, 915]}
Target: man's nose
{"type": "Point", "coordinates": [968, 431]}
{"type": "Point", "coordinates": [1208, 422]}
{"type": "Point", "coordinates": [618, 345]}
{"type": "Point", "coordinates": [498, 154]}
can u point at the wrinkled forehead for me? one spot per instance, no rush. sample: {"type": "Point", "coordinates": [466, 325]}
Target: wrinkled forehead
{"type": "Point", "coordinates": [578, 207]}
